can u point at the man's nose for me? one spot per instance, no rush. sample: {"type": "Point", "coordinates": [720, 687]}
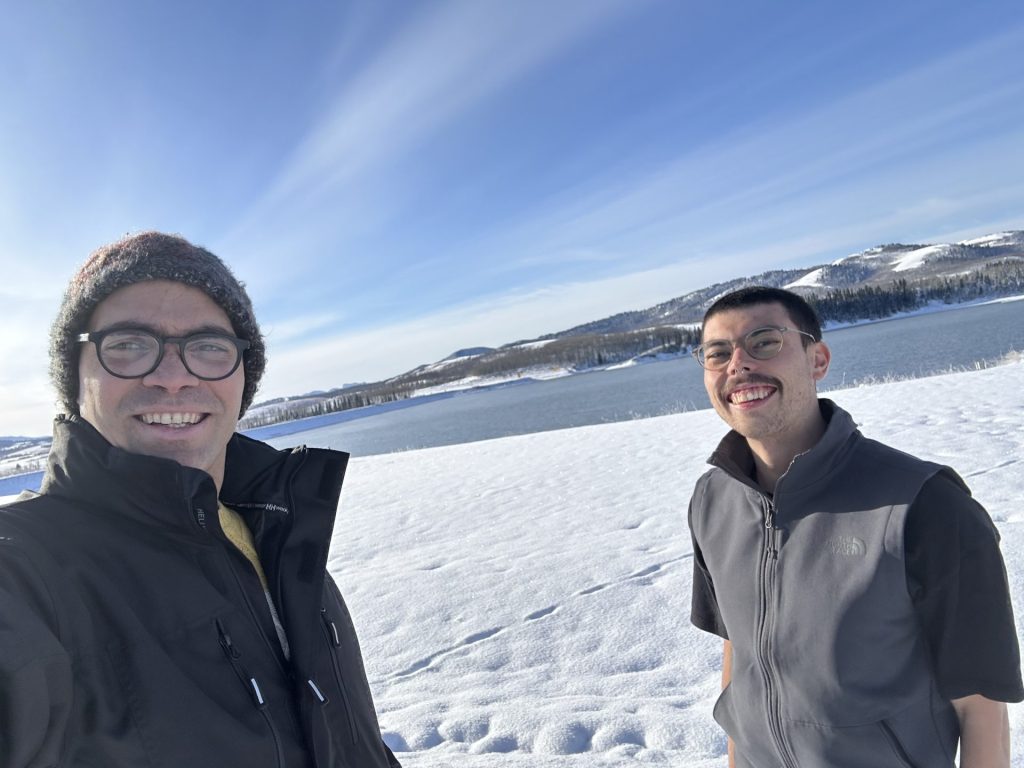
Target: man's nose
{"type": "Point", "coordinates": [740, 359]}
{"type": "Point", "coordinates": [171, 374]}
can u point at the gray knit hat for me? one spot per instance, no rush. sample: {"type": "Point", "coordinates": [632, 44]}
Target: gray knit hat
{"type": "Point", "coordinates": [135, 259]}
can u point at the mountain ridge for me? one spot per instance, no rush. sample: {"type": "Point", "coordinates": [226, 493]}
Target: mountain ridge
{"type": "Point", "coordinates": [669, 327]}
{"type": "Point", "coordinates": [876, 266]}
{"type": "Point", "coordinates": [875, 283]}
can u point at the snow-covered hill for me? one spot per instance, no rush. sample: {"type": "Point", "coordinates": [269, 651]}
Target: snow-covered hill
{"type": "Point", "coordinates": [990, 265]}
{"type": "Point", "coordinates": [875, 266]}
{"type": "Point", "coordinates": [885, 263]}
{"type": "Point", "coordinates": [22, 454]}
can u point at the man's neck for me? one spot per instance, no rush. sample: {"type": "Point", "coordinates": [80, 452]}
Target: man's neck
{"type": "Point", "coordinates": [773, 457]}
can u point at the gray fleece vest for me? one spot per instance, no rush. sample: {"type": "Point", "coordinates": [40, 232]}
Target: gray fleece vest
{"type": "Point", "coordinates": [829, 667]}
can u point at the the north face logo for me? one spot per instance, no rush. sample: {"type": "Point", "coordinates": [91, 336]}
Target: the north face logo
{"type": "Point", "coordinates": [846, 545]}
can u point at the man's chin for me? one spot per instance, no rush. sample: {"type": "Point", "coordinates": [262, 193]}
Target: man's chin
{"type": "Point", "coordinates": [200, 446]}
{"type": "Point", "coordinates": [185, 456]}
{"type": "Point", "coordinates": [184, 451]}
{"type": "Point", "coordinates": [750, 425]}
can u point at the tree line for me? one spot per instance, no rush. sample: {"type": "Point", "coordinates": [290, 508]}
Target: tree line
{"type": "Point", "coordinates": [844, 305]}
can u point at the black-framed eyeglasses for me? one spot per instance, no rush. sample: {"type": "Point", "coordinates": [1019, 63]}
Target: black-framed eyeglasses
{"type": "Point", "coordinates": [761, 344]}
{"type": "Point", "coordinates": [131, 353]}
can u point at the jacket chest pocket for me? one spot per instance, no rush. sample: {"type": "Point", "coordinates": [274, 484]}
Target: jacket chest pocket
{"type": "Point", "coordinates": [188, 705]}
{"type": "Point", "coordinates": [332, 667]}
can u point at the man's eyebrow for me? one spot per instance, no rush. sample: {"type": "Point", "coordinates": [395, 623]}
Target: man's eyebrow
{"type": "Point", "coordinates": [135, 325]}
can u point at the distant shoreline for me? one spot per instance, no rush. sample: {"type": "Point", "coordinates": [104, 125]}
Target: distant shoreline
{"type": "Point", "coordinates": [16, 482]}
{"type": "Point", "coordinates": [928, 309]}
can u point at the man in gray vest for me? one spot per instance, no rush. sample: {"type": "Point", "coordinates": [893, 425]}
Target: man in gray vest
{"type": "Point", "coordinates": [859, 590]}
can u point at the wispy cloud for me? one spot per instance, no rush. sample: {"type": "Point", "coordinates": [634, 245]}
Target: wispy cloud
{"type": "Point", "coordinates": [300, 327]}
{"type": "Point", "coordinates": [870, 147]}
{"type": "Point", "coordinates": [845, 174]}
{"type": "Point", "coordinates": [446, 61]}
{"type": "Point", "coordinates": [439, 67]}
{"type": "Point", "coordinates": [394, 217]}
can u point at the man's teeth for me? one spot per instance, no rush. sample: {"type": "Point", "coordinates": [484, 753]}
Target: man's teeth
{"type": "Point", "coordinates": [171, 419]}
{"type": "Point", "coordinates": [747, 395]}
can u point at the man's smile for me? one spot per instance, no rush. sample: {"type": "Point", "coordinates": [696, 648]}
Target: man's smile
{"type": "Point", "coordinates": [751, 393]}
{"type": "Point", "coordinates": [176, 420]}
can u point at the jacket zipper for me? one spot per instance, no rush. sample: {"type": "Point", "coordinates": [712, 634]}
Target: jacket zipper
{"type": "Point", "coordinates": [225, 546]}
{"type": "Point", "coordinates": [334, 642]}
{"type": "Point", "coordinates": [251, 685]}
{"type": "Point", "coordinates": [200, 515]}
{"type": "Point", "coordinates": [769, 563]}
{"type": "Point", "coordinates": [894, 742]}
{"type": "Point", "coordinates": [268, 641]}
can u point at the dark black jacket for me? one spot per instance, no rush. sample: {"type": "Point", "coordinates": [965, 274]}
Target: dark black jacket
{"type": "Point", "coordinates": [133, 633]}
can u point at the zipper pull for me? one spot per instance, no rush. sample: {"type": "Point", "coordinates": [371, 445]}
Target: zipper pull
{"type": "Point", "coordinates": [771, 531]}
{"type": "Point", "coordinates": [330, 626]}
{"type": "Point", "coordinates": [225, 642]}
{"type": "Point", "coordinates": [316, 692]}
{"type": "Point", "coordinates": [257, 695]}
{"type": "Point", "coordinates": [233, 656]}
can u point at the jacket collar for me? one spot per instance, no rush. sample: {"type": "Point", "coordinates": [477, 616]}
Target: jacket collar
{"type": "Point", "coordinates": [263, 483]}
{"type": "Point", "coordinates": [85, 468]}
{"type": "Point", "coordinates": [733, 453]}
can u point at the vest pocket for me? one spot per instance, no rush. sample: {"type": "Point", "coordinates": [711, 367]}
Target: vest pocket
{"type": "Point", "coordinates": [722, 712]}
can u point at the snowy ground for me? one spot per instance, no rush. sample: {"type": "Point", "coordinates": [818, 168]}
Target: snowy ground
{"type": "Point", "coordinates": [23, 454]}
{"type": "Point", "coordinates": [524, 601]}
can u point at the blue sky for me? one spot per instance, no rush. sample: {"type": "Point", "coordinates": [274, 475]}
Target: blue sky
{"type": "Point", "coordinates": [396, 180]}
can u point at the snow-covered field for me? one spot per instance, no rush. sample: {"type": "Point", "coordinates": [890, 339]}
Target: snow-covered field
{"type": "Point", "coordinates": [524, 601]}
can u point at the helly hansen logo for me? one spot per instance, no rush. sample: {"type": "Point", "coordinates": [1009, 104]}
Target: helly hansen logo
{"type": "Point", "coordinates": [846, 545]}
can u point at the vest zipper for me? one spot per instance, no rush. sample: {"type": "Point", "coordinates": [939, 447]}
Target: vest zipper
{"type": "Point", "coordinates": [766, 630]}
{"type": "Point", "coordinates": [334, 642]}
{"type": "Point", "coordinates": [252, 686]}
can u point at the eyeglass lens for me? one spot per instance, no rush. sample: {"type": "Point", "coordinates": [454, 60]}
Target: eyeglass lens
{"type": "Point", "coordinates": [134, 353]}
{"type": "Point", "coordinates": [760, 344]}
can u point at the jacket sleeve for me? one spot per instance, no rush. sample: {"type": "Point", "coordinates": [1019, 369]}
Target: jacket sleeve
{"type": "Point", "coordinates": [35, 668]}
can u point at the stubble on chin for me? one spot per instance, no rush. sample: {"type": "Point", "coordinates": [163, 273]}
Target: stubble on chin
{"type": "Point", "coordinates": [753, 423]}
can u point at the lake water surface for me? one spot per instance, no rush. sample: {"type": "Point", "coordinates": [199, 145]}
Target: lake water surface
{"type": "Point", "coordinates": [908, 347]}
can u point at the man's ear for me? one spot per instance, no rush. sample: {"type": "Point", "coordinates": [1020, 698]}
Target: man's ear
{"type": "Point", "coordinates": [820, 362]}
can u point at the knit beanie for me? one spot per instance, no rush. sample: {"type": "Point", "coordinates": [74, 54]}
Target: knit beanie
{"type": "Point", "coordinates": [135, 259]}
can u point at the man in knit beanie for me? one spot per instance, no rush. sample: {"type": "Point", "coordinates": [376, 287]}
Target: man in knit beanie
{"type": "Point", "coordinates": [134, 259]}
{"type": "Point", "coordinates": [164, 599]}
